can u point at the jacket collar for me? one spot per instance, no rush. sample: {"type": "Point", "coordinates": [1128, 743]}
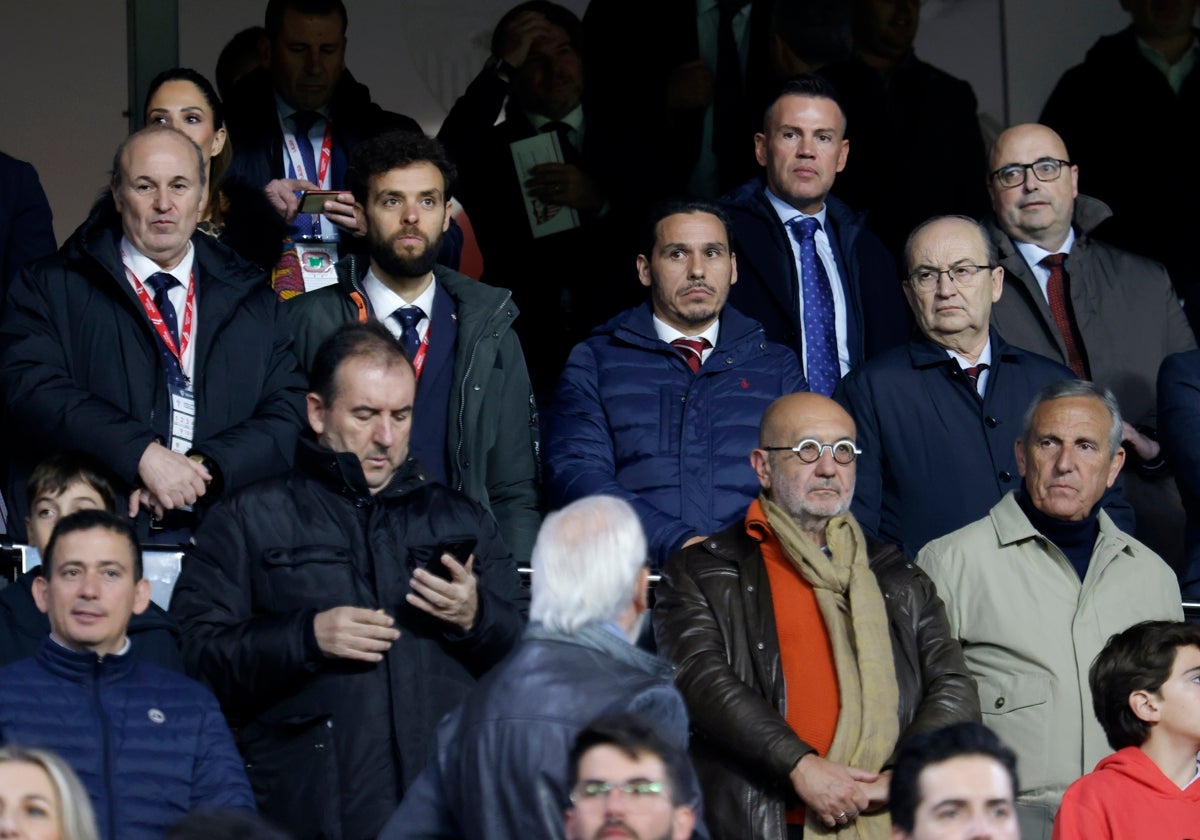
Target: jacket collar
{"type": "Point", "coordinates": [342, 473]}
{"type": "Point", "coordinates": [924, 352]}
{"type": "Point", "coordinates": [636, 326]}
{"type": "Point", "coordinates": [83, 667]}
{"type": "Point", "coordinates": [1087, 214]}
{"type": "Point", "coordinates": [1012, 527]}
{"type": "Point", "coordinates": [597, 637]}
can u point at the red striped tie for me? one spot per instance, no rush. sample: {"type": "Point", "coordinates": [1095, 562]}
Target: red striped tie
{"type": "Point", "coordinates": [691, 350]}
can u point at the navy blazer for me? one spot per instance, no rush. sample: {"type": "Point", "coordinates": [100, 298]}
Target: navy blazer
{"type": "Point", "coordinates": [935, 456]}
{"type": "Point", "coordinates": [1179, 431]}
{"type": "Point", "coordinates": [768, 283]}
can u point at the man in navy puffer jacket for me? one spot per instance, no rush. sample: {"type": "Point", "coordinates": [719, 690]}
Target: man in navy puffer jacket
{"type": "Point", "coordinates": [660, 405]}
{"type": "Point", "coordinates": [149, 745]}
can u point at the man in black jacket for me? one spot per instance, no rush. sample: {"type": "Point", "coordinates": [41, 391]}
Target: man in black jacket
{"type": "Point", "coordinates": [341, 610]}
{"type": "Point", "coordinates": [161, 353]}
{"type": "Point", "coordinates": [806, 651]}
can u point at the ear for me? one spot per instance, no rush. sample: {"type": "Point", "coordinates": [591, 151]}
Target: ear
{"type": "Point", "coordinates": [40, 586]}
{"type": "Point", "coordinates": [569, 823]}
{"type": "Point", "coordinates": [446, 216]}
{"type": "Point", "coordinates": [1114, 468]}
{"type": "Point", "coordinates": [218, 142]}
{"type": "Point", "coordinates": [641, 592]}
{"type": "Point", "coordinates": [733, 268]}
{"type": "Point", "coordinates": [842, 155]}
{"type": "Point", "coordinates": [910, 296]}
{"type": "Point", "coordinates": [316, 413]}
{"type": "Point", "coordinates": [141, 596]}
{"type": "Point", "coordinates": [760, 148]}
{"type": "Point", "coordinates": [1144, 705]}
{"type": "Point", "coordinates": [997, 283]}
{"type": "Point", "coordinates": [116, 196]}
{"type": "Point", "coordinates": [761, 466]}
{"type": "Point", "coordinates": [683, 820]}
{"type": "Point", "coordinates": [1019, 448]}
{"type": "Point", "coordinates": [643, 269]}
{"type": "Point", "coordinates": [1074, 182]}
{"type": "Point", "coordinates": [899, 833]}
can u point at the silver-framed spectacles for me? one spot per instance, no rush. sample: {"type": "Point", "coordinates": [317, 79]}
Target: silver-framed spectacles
{"type": "Point", "coordinates": [810, 450]}
{"type": "Point", "coordinates": [964, 275]}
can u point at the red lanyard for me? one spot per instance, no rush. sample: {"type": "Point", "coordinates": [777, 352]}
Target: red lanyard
{"type": "Point", "coordinates": [289, 139]}
{"type": "Point", "coordinates": [419, 362]}
{"type": "Point", "coordinates": [189, 310]}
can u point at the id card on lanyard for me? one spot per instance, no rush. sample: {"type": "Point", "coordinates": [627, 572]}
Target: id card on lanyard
{"type": "Point", "coordinates": [179, 385]}
{"type": "Point", "coordinates": [316, 254]}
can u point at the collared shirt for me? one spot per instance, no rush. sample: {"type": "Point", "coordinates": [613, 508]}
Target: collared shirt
{"type": "Point", "coordinates": [985, 358]}
{"type": "Point", "coordinates": [573, 119]}
{"type": "Point", "coordinates": [125, 648]}
{"type": "Point", "coordinates": [384, 302]}
{"type": "Point", "coordinates": [787, 213]}
{"type": "Point", "coordinates": [316, 136]}
{"type": "Point", "coordinates": [1177, 72]}
{"type": "Point", "coordinates": [142, 267]}
{"type": "Point", "coordinates": [1034, 254]}
{"type": "Point", "coordinates": [668, 334]}
{"type": "Point", "coordinates": [708, 18]}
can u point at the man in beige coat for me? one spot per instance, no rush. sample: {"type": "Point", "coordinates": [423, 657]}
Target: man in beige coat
{"type": "Point", "coordinates": [1034, 590]}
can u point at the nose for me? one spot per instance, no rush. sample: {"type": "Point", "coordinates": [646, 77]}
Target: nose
{"type": "Point", "coordinates": [162, 201]}
{"type": "Point", "coordinates": [89, 587]}
{"type": "Point", "coordinates": [945, 286]}
{"type": "Point", "coordinates": [825, 465]}
{"type": "Point", "coordinates": [312, 62]}
{"type": "Point", "coordinates": [8, 826]}
{"type": "Point", "coordinates": [1031, 182]}
{"type": "Point", "coordinates": [409, 212]}
{"type": "Point", "coordinates": [696, 266]}
{"type": "Point", "coordinates": [384, 432]}
{"type": "Point", "coordinates": [1065, 461]}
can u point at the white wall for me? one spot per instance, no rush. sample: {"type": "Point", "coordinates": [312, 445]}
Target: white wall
{"type": "Point", "coordinates": [64, 83]}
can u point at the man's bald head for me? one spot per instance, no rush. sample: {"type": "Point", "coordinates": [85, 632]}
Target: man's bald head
{"type": "Point", "coordinates": [791, 411]}
{"type": "Point", "coordinates": [1033, 210]}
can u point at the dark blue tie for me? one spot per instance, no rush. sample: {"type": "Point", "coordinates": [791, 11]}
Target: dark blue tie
{"type": "Point", "coordinates": [820, 330]}
{"type": "Point", "coordinates": [161, 282]}
{"type": "Point", "coordinates": [409, 317]}
{"type": "Point", "coordinates": [304, 121]}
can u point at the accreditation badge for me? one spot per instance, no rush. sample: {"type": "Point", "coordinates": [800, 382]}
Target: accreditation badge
{"type": "Point", "coordinates": [316, 263]}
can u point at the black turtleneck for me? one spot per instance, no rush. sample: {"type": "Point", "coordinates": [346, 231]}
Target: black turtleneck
{"type": "Point", "coordinates": [1076, 540]}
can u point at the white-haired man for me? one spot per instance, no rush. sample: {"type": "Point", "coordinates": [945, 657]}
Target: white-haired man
{"type": "Point", "coordinates": [501, 766]}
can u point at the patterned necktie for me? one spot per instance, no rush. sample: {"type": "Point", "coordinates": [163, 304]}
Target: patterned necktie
{"type": "Point", "coordinates": [409, 317]}
{"type": "Point", "coordinates": [972, 374]}
{"type": "Point", "coordinates": [691, 350]}
{"type": "Point", "coordinates": [1060, 309]}
{"type": "Point", "coordinates": [161, 282]}
{"type": "Point", "coordinates": [304, 122]}
{"type": "Point", "coordinates": [820, 336]}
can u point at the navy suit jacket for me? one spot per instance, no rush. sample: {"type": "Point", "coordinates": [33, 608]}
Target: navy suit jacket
{"type": "Point", "coordinates": [768, 285]}
{"type": "Point", "coordinates": [1179, 431]}
{"type": "Point", "coordinates": [935, 456]}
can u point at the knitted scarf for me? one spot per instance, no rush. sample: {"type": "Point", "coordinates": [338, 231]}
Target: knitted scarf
{"type": "Point", "coordinates": [854, 614]}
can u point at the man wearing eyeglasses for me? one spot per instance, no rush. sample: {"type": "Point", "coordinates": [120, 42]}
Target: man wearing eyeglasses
{"type": "Point", "coordinates": [1110, 315]}
{"type": "Point", "coordinates": [805, 650]}
{"type": "Point", "coordinates": [626, 781]}
{"type": "Point", "coordinates": [937, 417]}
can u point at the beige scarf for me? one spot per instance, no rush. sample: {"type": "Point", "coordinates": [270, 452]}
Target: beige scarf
{"type": "Point", "coordinates": [856, 619]}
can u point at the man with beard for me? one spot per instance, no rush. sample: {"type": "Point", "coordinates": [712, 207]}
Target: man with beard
{"type": "Point", "coordinates": [660, 405]}
{"type": "Point", "coordinates": [457, 333]}
{"type": "Point", "coordinates": [806, 651]}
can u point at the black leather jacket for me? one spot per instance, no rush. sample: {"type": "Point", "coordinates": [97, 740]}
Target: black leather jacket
{"type": "Point", "coordinates": [714, 618]}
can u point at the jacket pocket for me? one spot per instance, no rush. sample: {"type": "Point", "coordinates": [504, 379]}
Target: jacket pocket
{"type": "Point", "coordinates": [316, 576]}
{"type": "Point", "coordinates": [292, 768]}
{"type": "Point", "coordinates": [1017, 708]}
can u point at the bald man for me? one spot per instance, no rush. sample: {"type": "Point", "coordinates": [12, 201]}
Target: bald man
{"type": "Point", "coordinates": [1109, 315]}
{"type": "Point", "coordinates": [806, 651]}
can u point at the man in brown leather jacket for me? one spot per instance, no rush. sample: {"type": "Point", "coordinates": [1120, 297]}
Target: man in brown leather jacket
{"type": "Point", "coordinates": [861, 638]}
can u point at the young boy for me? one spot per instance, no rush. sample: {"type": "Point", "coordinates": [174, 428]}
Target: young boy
{"type": "Point", "coordinates": [61, 485]}
{"type": "Point", "coordinates": [1146, 694]}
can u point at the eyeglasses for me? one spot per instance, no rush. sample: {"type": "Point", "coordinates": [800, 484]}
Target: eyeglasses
{"type": "Point", "coordinates": [810, 450]}
{"type": "Point", "coordinates": [1013, 175]}
{"type": "Point", "coordinates": [635, 794]}
{"type": "Point", "coordinates": [964, 276]}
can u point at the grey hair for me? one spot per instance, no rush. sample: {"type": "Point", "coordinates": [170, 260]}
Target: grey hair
{"type": "Point", "coordinates": [1077, 388]}
{"type": "Point", "coordinates": [156, 128]}
{"type": "Point", "coordinates": [75, 809]}
{"type": "Point", "coordinates": [586, 563]}
{"type": "Point", "coordinates": [989, 247]}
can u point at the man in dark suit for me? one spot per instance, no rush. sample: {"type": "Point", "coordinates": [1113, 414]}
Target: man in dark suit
{"type": "Point", "coordinates": [937, 419]}
{"type": "Point", "coordinates": [809, 271]}
{"type": "Point", "coordinates": [537, 66]}
{"type": "Point", "coordinates": [297, 120]}
{"type": "Point", "coordinates": [26, 229]}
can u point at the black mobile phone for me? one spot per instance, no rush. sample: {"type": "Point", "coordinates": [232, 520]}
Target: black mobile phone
{"type": "Point", "coordinates": [313, 201]}
{"type": "Point", "coordinates": [459, 548]}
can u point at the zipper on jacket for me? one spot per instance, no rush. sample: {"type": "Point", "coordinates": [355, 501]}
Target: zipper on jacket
{"type": "Point", "coordinates": [462, 394]}
{"type": "Point", "coordinates": [106, 746]}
